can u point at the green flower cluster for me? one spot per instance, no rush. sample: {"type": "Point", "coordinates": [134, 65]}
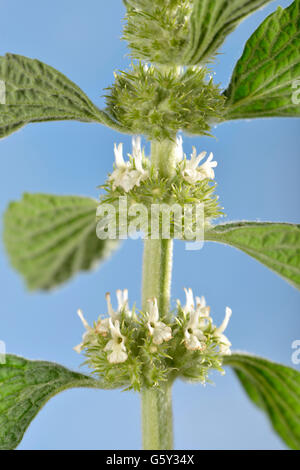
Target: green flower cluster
{"type": "Point", "coordinates": [157, 30]}
{"type": "Point", "coordinates": [158, 102]}
{"type": "Point", "coordinates": [138, 199]}
{"type": "Point", "coordinates": [141, 350]}
{"type": "Point", "coordinates": [171, 196]}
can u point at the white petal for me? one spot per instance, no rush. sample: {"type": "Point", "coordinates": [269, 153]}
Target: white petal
{"type": "Point", "coordinates": [102, 327]}
{"type": "Point", "coordinates": [153, 314]}
{"type": "Point", "coordinates": [224, 325]}
{"type": "Point", "coordinates": [225, 345]}
{"type": "Point", "coordinates": [161, 333]}
{"type": "Point", "coordinates": [122, 297]}
{"type": "Point", "coordinates": [194, 320]}
{"type": "Point", "coordinates": [207, 168]}
{"type": "Point", "coordinates": [179, 149]}
{"type": "Point", "coordinates": [125, 178]}
{"type": "Point", "coordinates": [135, 177]}
{"type": "Point", "coordinates": [111, 311]}
{"type": "Point", "coordinates": [200, 157]}
{"type": "Point", "coordinates": [193, 157]}
{"type": "Point", "coordinates": [137, 153]}
{"type": "Point", "coordinates": [118, 151]}
{"type": "Point", "coordinates": [78, 348]}
{"type": "Point", "coordinates": [115, 330]}
{"type": "Point", "coordinates": [195, 160]}
{"type": "Point", "coordinates": [201, 301]}
{"type": "Point", "coordinates": [85, 323]}
{"type": "Point", "coordinates": [192, 343]}
{"type": "Point", "coordinates": [117, 357]}
{"type": "Point", "coordinates": [199, 334]}
{"type": "Point", "coordinates": [110, 345]}
{"type": "Point", "coordinates": [189, 306]}
{"type": "Point", "coordinates": [210, 158]}
{"type": "Point", "coordinates": [136, 146]}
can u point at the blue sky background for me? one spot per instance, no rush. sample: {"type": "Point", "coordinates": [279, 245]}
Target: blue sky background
{"type": "Point", "coordinates": [257, 176]}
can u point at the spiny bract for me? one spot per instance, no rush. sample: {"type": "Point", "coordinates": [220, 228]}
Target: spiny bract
{"type": "Point", "coordinates": [158, 102]}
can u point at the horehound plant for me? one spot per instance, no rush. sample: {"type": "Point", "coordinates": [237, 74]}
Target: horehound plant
{"type": "Point", "coordinates": [168, 91]}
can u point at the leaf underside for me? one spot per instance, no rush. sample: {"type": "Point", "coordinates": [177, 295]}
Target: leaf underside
{"type": "Point", "coordinates": [276, 245]}
{"type": "Point", "coordinates": [36, 92]}
{"type": "Point", "coordinates": [25, 387]}
{"type": "Point", "coordinates": [51, 238]}
{"type": "Point", "coordinates": [275, 389]}
{"type": "Point", "coordinates": [264, 80]}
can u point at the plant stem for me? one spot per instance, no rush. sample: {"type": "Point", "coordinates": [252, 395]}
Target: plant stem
{"type": "Point", "coordinates": [157, 421]}
{"type": "Point", "coordinates": [157, 418]}
{"type": "Point", "coordinates": [158, 254]}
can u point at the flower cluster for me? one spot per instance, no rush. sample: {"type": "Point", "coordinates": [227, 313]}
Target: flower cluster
{"type": "Point", "coordinates": [137, 350]}
{"type": "Point", "coordinates": [138, 181]}
{"type": "Point", "coordinates": [128, 175]}
{"type": "Point", "coordinates": [157, 30]}
{"type": "Point", "coordinates": [158, 102]}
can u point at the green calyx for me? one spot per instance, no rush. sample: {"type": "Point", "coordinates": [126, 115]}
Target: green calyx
{"type": "Point", "coordinates": [158, 102]}
{"type": "Point", "coordinates": [157, 30]}
{"type": "Point", "coordinates": [170, 196]}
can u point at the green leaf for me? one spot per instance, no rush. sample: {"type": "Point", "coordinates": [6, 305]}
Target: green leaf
{"type": "Point", "coordinates": [264, 82]}
{"type": "Point", "coordinates": [51, 238]}
{"type": "Point", "coordinates": [25, 387]}
{"type": "Point", "coordinates": [36, 92]}
{"type": "Point", "coordinates": [276, 245]}
{"type": "Point", "coordinates": [211, 22]}
{"type": "Point", "coordinates": [275, 389]}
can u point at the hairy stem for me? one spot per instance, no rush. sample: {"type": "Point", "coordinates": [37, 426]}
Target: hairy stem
{"type": "Point", "coordinates": [157, 418]}
{"type": "Point", "coordinates": [158, 254]}
{"type": "Point", "coordinates": [157, 422]}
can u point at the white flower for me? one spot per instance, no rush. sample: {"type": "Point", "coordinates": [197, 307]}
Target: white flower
{"type": "Point", "coordinates": [122, 298]}
{"type": "Point", "coordinates": [223, 340]}
{"type": "Point", "coordinates": [116, 345]}
{"type": "Point", "coordinates": [204, 312]}
{"type": "Point", "coordinates": [128, 174]}
{"type": "Point", "coordinates": [192, 172]}
{"type": "Point", "coordinates": [179, 155]}
{"type": "Point", "coordinates": [189, 305]}
{"type": "Point", "coordinates": [103, 325]}
{"type": "Point", "coordinates": [194, 338]}
{"type": "Point", "coordinates": [201, 306]}
{"type": "Point", "coordinates": [207, 167]}
{"type": "Point", "coordinates": [199, 320]}
{"type": "Point", "coordinates": [88, 336]}
{"type": "Point", "coordinates": [137, 153]}
{"type": "Point", "coordinates": [158, 330]}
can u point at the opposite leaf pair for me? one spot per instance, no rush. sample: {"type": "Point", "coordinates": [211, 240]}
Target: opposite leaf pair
{"type": "Point", "coordinates": [27, 385]}
{"type": "Point", "coordinates": [50, 238]}
{"type": "Point", "coordinates": [262, 84]}
{"type": "Point", "coordinates": [29, 232]}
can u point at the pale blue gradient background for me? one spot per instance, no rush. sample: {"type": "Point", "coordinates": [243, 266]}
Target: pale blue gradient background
{"type": "Point", "coordinates": [258, 176]}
